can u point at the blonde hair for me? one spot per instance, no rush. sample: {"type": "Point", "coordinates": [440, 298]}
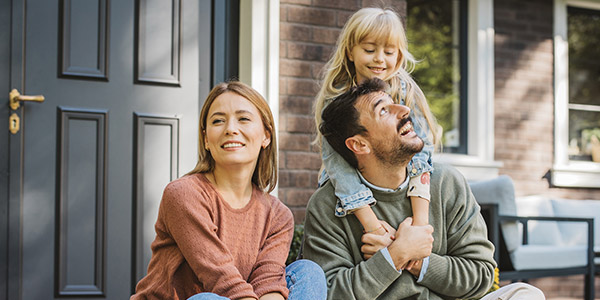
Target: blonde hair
{"type": "Point", "coordinates": [265, 173]}
{"type": "Point", "coordinates": [338, 74]}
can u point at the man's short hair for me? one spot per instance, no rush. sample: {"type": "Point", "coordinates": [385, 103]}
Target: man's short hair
{"type": "Point", "coordinates": [341, 119]}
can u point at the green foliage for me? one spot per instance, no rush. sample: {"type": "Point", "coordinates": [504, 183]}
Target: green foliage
{"type": "Point", "coordinates": [435, 44]}
{"type": "Point", "coordinates": [296, 243]}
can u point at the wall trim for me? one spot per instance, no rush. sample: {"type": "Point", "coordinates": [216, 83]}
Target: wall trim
{"type": "Point", "coordinates": [259, 67]}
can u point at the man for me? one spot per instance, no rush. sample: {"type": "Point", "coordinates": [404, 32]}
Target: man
{"type": "Point", "coordinates": [455, 259]}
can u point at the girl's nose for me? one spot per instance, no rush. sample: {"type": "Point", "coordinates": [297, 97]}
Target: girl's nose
{"type": "Point", "coordinates": [378, 56]}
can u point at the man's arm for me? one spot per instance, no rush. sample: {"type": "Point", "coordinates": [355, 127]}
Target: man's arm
{"type": "Point", "coordinates": [334, 244]}
{"type": "Point", "coordinates": [468, 259]}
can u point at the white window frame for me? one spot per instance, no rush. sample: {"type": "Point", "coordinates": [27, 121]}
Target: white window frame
{"type": "Point", "coordinates": [478, 163]}
{"type": "Point", "coordinates": [259, 51]}
{"type": "Point", "coordinates": [565, 172]}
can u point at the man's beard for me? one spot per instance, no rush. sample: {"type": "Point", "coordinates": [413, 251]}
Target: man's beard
{"type": "Point", "coordinates": [395, 152]}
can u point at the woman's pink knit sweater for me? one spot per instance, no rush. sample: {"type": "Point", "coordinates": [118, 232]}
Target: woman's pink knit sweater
{"type": "Point", "coordinates": [204, 245]}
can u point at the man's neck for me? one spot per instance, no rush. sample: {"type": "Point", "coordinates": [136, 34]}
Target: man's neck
{"type": "Point", "coordinates": [384, 176]}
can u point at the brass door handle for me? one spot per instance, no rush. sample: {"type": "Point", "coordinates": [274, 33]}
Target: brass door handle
{"type": "Point", "coordinates": [15, 98]}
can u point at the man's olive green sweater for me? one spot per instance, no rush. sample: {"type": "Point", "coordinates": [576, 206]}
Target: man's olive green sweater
{"type": "Point", "coordinates": [461, 265]}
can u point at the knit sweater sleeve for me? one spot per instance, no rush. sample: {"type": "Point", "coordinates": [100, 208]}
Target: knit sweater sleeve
{"type": "Point", "coordinates": [268, 274]}
{"type": "Point", "coordinates": [328, 244]}
{"type": "Point", "coordinates": [186, 214]}
{"type": "Point", "coordinates": [468, 259]}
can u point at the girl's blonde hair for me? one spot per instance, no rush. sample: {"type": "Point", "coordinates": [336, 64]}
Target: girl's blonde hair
{"type": "Point", "coordinates": [338, 74]}
{"type": "Point", "coordinates": [265, 172]}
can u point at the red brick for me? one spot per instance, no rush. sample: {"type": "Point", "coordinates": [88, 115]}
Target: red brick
{"type": "Point", "coordinates": [301, 124]}
{"type": "Point", "coordinates": [281, 162]}
{"type": "Point", "coordinates": [297, 104]}
{"type": "Point", "coordinates": [295, 32]}
{"type": "Point", "coordinates": [326, 35]}
{"type": "Point", "coordinates": [317, 69]}
{"type": "Point", "coordinates": [309, 15]}
{"type": "Point", "coordinates": [309, 51]}
{"type": "Point", "coordinates": [398, 6]}
{"type": "Point", "coordinates": [302, 87]}
{"type": "Point", "coordinates": [283, 82]}
{"type": "Point", "coordinates": [282, 49]}
{"type": "Point", "coordinates": [299, 214]}
{"type": "Point", "coordinates": [340, 4]}
{"type": "Point", "coordinates": [294, 142]}
{"type": "Point", "coordinates": [303, 160]}
{"type": "Point", "coordinates": [298, 197]}
{"type": "Point", "coordinates": [304, 2]}
{"type": "Point", "coordinates": [342, 17]}
{"type": "Point", "coordinates": [296, 68]}
{"type": "Point", "coordinates": [283, 13]}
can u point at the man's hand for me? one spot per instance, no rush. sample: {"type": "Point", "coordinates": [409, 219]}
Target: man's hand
{"type": "Point", "coordinates": [373, 242]}
{"type": "Point", "coordinates": [411, 243]}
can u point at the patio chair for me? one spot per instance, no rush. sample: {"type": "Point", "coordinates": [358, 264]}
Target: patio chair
{"type": "Point", "coordinates": [533, 246]}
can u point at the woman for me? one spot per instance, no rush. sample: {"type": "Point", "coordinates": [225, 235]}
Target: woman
{"type": "Point", "coordinates": [219, 234]}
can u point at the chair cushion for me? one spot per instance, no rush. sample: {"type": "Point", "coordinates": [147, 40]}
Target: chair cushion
{"type": "Point", "coordinates": [540, 232]}
{"type": "Point", "coordinates": [501, 191]}
{"type": "Point", "coordinates": [530, 257]}
{"type": "Point", "coordinates": [576, 233]}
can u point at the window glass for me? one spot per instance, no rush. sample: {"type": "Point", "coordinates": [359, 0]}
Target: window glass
{"type": "Point", "coordinates": [436, 31]}
{"type": "Point", "coordinates": [584, 84]}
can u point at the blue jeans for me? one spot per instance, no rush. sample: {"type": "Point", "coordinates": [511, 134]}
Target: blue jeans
{"type": "Point", "coordinates": [305, 280]}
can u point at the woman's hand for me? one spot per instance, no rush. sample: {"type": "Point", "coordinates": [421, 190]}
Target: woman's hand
{"type": "Point", "coordinates": [373, 242]}
{"type": "Point", "coordinates": [272, 296]}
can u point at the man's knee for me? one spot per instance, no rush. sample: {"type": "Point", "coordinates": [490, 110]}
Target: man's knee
{"type": "Point", "coordinates": [516, 291]}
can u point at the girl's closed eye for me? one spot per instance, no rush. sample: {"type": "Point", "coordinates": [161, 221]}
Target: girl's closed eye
{"type": "Point", "coordinates": [244, 119]}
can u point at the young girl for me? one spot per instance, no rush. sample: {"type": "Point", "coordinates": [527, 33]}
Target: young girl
{"type": "Point", "coordinates": [373, 44]}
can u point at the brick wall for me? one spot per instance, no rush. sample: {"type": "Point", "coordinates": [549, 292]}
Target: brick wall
{"type": "Point", "coordinates": [524, 103]}
{"type": "Point", "coordinates": [524, 110]}
{"type": "Point", "coordinates": [308, 32]}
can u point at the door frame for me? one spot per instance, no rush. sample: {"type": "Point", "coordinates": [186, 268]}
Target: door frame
{"type": "Point", "coordinates": [10, 181]}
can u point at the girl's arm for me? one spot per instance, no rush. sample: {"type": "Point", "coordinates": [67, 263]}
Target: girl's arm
{"type": "Point", "coordinates": [350, 191]}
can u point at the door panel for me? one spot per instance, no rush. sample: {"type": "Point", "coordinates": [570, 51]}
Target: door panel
{"type": "Point", "coordinates": [123, 81]}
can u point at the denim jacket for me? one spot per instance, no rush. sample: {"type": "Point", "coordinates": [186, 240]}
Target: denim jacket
{"type": "Point", "coordinates": [349, 189]}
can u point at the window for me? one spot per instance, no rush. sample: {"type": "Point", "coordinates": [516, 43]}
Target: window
{"type": "Point", "coordinates": [454, 39]}
{"type": "Point", "coordinates": [577, 94]}
{"type": "Point", "coordinates": [437, 34]}
{"type": "Point", "coordinates": [583, 26]}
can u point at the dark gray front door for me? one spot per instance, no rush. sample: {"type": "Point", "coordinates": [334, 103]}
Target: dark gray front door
{"type": "Point", "coordinates": [122, 81]}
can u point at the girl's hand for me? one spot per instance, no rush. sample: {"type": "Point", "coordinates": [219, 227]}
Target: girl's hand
{"type": "Point", "coordinates": [373, 242]}
{"type": "Point", "coordinates": [411, 264]}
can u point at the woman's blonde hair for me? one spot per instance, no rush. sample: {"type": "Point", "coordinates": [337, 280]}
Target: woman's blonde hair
{"type": "Point", "coordinates": [338, 74]}
{"type": "Point", "coordinates": [265, 173]}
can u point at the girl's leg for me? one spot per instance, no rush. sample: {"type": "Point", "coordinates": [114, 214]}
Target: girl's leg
{"type": "Point", "coordinates": [207, 296]}
{"type": "Point", "coordinates": [305, 280]}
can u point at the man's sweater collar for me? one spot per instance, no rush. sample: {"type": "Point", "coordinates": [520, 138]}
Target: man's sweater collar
{"type": "Point", "coordinates": [382, 189]}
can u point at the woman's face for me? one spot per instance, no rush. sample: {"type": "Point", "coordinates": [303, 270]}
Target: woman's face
{"type": "Point", "coordinates": [234, 132]}
{"type": "Point", "coordinates": [373, 58]}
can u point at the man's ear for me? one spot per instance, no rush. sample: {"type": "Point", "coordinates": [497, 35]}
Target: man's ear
{"type": "Point", "coordinates": [358, 144]}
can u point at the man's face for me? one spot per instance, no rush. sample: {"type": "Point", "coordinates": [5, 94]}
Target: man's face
{"type": "Point", "coordinates": [389, 128]}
